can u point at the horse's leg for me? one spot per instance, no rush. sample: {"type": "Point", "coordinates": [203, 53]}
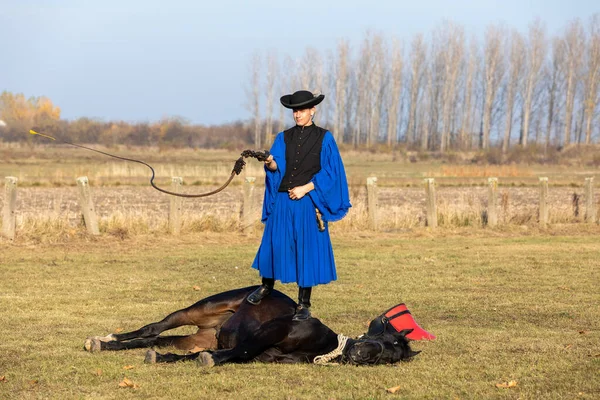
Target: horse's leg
{"type": "Point", "coordinates": [154, 357]}
{"type": "Point", "coordinates": [203, 339]}
{"type": "Point", "coordinates": [251, 346]}
{"type": "Point", "coordinates": [205, 314]}
{"type": "Point", "coordinates": [201, 317]}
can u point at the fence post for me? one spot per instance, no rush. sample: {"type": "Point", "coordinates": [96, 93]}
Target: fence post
{"type": "Point", "coordinates": [431, 202]}
{"type": "Point", "coordinates": [372, 202]}
{"type": "Point", "coordinates": [175, 206]}
{"type": "Point", "coordinates": [248, 205]}
{"type": "Point", "coordinates": [492, 211]}
{"type": "Point", "coordinates": [543, 212]}
{"type": "Point", "coordinates": [87, 206]}
{"type": "Point", "coordinates": [9, 209]}
{"type": "Point", "coordinates": [590, 208]}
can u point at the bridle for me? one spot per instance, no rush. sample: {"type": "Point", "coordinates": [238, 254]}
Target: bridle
{"type": "Point", "coordinates": [379, 355]}
{"type": "Point", "coordinates": [237, 168]}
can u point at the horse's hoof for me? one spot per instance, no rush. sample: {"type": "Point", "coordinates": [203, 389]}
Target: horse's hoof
{"type": "Point", "coordinates": [150, 357]}
{"type": "Point", "coordinates": [92, 345]}
{"type": "Point", "coordinates": [205, 359]}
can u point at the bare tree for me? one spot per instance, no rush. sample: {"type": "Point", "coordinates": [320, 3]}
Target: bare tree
{"type": "Point", "coordinates": [573, 44]}
{"type": "Point", "coordinates": [288, 83]}
{"type": "Point", "coordinates": [553, 86]}
{"type": "Point", "coordinates": [351, 100]}
{"type": "Point", "coordinates": [535, 55]}
{"type": "Point", "coordinates": [271, 78]}
{"type": "Point", "coordinates": [592, 77]}
{"type": "Point", "coordinates": [517, 49]}
{"type": "Point", "coordinates": [395, 92]}
{"type": "Point", "coordinates": [341, 84]}
{"type": "Point", "coordinates": [375, 88]}
{"type": "Point", "coordinates": [418, 56]}
{"type": "Point", "coordinates": [467, 116]}
{"type": "Point", "coordinates": [428, 112]}
{"type": "Point", "coordinates": [362, 88]}
{"type": "Point", "coordinates": [328, 106]}
{"type": "Point", "coordinates": [452, 49]}
{"type": "Point", "coordinates": [253, 93]}
{"type": "Point", "coordinates": [494, 71]}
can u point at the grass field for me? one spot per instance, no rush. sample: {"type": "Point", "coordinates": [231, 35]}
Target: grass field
{"type": "Point", "coordinates": [505, 307]}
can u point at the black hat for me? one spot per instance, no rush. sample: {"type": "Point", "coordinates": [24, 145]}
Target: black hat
{"type": "Point", "coordinates": [301, 99]}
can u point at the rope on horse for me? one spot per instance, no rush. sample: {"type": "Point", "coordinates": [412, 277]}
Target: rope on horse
{"type": "Point", "coordinates": [326, 358]}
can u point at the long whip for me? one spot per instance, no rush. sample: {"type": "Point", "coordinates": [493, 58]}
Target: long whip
{"type": "Point", "coordinates": [237, 168]}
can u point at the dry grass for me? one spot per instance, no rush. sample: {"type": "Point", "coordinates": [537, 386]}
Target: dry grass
{"type": "Point", "coordinates": [482, 171]}
{"type": "Point", "coordinates": [48, 209]}
{"type": "Point", "coordinates": [52, 214]}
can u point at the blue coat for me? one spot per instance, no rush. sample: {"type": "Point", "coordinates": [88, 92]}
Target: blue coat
{"type": "Point", "coordinates": [292, 247]}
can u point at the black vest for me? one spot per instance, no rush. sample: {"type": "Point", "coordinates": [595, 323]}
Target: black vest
{"type": "Point", "coordinates": [302, 155]}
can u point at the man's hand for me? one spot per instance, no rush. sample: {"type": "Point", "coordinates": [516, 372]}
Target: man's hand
{"type": "Point", "coordinates": [270, 163]}
{"type": "Point", "coordinates": [300, 191]}
{"type": "Point", "coordinates": [263, 155]}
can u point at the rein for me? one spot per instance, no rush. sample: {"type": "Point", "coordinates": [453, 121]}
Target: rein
{"type": "Point", "coordinates": [380, 352]}
{"type": "Point", "coordinates": [237, 168]}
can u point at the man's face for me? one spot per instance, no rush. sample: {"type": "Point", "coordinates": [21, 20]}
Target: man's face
{"type": "Point", "coordinates": [303, 116]}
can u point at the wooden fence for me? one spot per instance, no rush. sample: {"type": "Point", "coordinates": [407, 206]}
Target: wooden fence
{"type": "Point", "coordinates": [247, 218]}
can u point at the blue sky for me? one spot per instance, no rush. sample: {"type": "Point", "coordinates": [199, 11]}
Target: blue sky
{"type": "Point", "coordinates": [141, 60]}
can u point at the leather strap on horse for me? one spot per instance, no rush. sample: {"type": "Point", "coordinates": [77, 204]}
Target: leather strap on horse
{"type": "Point", "coordinates": [237, 168]}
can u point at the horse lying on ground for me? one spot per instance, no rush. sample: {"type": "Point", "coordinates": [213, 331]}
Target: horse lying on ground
{"type": "Point", "coordinates": [232, 330]}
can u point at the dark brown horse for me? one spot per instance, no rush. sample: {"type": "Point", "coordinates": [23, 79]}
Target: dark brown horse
{"type": "Point", "coordinates": [232, 330]}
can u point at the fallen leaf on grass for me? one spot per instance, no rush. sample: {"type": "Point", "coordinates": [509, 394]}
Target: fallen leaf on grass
{"type": "Point", "coordinates": [127, 367]}
{"type": "Point", "coordinates": [2, 378]}
{"type": "Point", "coordinates": [33, 382]}
{"type": "Point", "coordinates": [393, 389]}
{"type": "Point", "coordinates": [118, 330]}
{"type": "Point", "coordinates": [196, 288]}
{"type": "Point", "coordinates": [128, 383]}
{"type": "Point", "coordinates": [584, 332]}
{"type": "Point", "coordinates": [97, 372]}
{"type": "Point", "coordinates": [507, 385]}
{"type": "Point", "coordinates": [568, 346]}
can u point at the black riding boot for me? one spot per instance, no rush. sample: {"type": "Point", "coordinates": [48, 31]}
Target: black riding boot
{"type": "Point", "coordinates": [303, 308]}
{"type": "Point", "coordinates": [263, 290]}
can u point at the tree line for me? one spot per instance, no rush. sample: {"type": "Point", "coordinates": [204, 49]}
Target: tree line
{"type": "Point", "coordinates": [444, 91]}
{"type": "Point", "coordinates": [19, 114]}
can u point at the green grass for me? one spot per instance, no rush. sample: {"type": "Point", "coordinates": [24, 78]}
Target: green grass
{"type": "Point", "coordinates": [504, 308]}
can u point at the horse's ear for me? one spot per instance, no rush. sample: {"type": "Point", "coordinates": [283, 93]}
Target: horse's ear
{"type": "Point", "coordinates": [413, 353]}
{"type": "Point", "coordinates": [376, 327]}
{"type": "Point", "coordinates": [405, 332]}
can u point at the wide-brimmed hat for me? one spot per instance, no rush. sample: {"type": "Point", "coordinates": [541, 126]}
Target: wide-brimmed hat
{"type": "Point", "coordinates": [301, 99]}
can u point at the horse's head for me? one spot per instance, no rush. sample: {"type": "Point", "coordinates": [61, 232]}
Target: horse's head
{"type": "Point", "coordinates": [383, 348]}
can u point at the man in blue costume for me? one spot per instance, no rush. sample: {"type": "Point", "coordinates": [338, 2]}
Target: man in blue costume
{"type": "Point", "coordinates": [305, 188]}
